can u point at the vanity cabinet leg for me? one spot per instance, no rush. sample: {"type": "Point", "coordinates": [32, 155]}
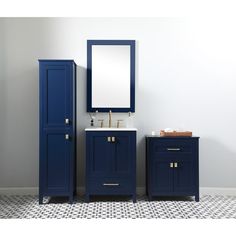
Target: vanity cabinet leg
{"type": "Point", "coordinates": [40, 199]}
{"type": "Point", "coordinates": [87, 198]}
{"type": "Point", "coordinates": [197, 198]}
{"type": "Point", "coordinates": [71, 199]}
{"type": "Point", "coordinates": [149, 197]}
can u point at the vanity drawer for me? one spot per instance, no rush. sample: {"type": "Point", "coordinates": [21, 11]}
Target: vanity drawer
{"type": "Point", "coordinates": [106, 186]}
{"type": "Point", "coordinates": [171, 146]}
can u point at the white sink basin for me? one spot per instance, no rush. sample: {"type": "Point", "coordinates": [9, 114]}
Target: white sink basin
{"type": "Point", "coordinates": [110, 129]}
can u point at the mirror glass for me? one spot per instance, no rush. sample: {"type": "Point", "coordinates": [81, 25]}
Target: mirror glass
{"type": "Point", "coordinates": [110, 75]}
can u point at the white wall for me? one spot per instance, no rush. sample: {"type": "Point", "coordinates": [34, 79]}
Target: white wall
{"type": "Point", "coordinates": [185, 78]}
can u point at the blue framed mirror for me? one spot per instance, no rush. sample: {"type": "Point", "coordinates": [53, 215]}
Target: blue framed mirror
{"type": "Point", "coordinates": [111, 75]}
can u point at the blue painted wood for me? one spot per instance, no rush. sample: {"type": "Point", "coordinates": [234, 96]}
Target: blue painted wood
{"type": "Point", "coordinates": [111, 163]}
{"type": "Point", "coordinates": [162, 176]}
{"type": "Point", "coordinates": [161, 179]}
{"type": "Point", "coordinates": [57, 96]}
{"type": "Point", "coordinates": [89, 75]}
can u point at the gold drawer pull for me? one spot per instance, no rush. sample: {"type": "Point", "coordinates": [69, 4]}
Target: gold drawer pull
{"type": "Point", "coordinates": [108, 139]}
{"type": "Point", "coordinates": [113, 139]}
{"type": "Point", "coordinates": [173, 149]}
{"type": "Point", "coordinates": [111, 184]}
{"type": "Point", "coordinates": [176, 164]}
{"type": "Point", "coordinates": [171, 165]}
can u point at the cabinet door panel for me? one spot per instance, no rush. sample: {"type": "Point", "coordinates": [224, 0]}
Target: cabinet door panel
{"type": "Point", "coordinates": [98, 154]}
{"type": "Point", "coordinates": [101, 156]}
{"type": "Point", "coordinates": [56, 94]}
{"type": "Point", "coordinates": [162, 176]}
{"type": "Point", "coordinates": [122, 158]}
{"type": "Point", "coordinates": [56, 162]}
{"type": "Point", "coordinates": [184, 177]}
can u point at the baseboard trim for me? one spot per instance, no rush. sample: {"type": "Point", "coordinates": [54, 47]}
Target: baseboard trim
{"type": "Point", "coordinates": [19, 191]}
{"type": "Point", "coordinates": [218, 191]}
{"type": "Point", "coordinates": [35, 190]}
{"type": "Point", "coordinates": [140, 191]}
{"type": "Point", "coordinates": [204, 191]}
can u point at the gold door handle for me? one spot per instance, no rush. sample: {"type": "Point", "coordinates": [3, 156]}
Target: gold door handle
{"type": "Point", "coordinates": [108, 139]}
{"type": "Point", "coordinates": [113, 139]}
{"type": "Point", "coordinates": [176, 165]}
{"type": "Point", "coordinates": [67, 121]}
{"type": "Point", "coordinates": [67, 136]}
{"type": "Point", "coordinates": [171, 165]}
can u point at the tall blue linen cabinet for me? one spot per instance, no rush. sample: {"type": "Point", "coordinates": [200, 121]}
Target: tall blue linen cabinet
{"type": "Point", "coordinates": [57, 142]}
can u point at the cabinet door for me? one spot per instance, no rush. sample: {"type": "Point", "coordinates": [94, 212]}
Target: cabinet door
{"type": "Point", "coordinates": [161, 176]}
{"type": "Point", "coordinates": [123, 154]}
{"type": "Point", "coordinates": [55, 163]}
{"type": "Point", "coordinates": [98, 154]}
{"type": "Point", "coordinates": [56, 105]}
{"type": "Point", "coordinates": [184, 177]}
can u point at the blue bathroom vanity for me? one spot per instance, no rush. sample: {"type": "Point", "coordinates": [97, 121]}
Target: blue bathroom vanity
{"type": "Point", "coordinates": [172, 166]}
{"type": "Point", "coordinates": [111, 162]}
{"type": "Point", "coordinates": [57, 146]}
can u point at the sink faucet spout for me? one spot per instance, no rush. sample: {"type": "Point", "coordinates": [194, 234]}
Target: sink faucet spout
{"type": "Point", "coordinates": [110, 119]}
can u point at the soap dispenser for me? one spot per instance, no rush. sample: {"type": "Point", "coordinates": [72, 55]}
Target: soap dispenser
{"type": "Point", "coordinates": [92, 118]}
{"type": "Point", "coordinates": [130, 122]}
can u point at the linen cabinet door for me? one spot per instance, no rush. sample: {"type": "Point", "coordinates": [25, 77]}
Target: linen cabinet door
{"type": "Point", "coordinates": [56, 163]}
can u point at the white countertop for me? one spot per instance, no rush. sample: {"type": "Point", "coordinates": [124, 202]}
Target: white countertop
{"type": "Point", "coordinates": [110, 129]}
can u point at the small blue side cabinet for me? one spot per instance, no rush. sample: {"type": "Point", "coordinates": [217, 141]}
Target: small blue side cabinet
{"type": "Point", "coordinates": [172, 166]}
{"type": "Point", "coordinates": [111, 163]}
{"type": "Point", "coordinates": [57, 97]}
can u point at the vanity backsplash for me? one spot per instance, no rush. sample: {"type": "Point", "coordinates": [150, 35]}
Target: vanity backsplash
{"type": "Point", "coordinates": [118, 120]}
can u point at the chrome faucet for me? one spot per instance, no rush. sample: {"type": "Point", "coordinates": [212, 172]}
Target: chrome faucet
{"type": "Point", "coordinates": [110, 119]}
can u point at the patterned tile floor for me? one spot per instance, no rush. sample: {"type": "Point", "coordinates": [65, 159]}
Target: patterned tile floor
{"type": "Point", "coordinates": [214, 207]}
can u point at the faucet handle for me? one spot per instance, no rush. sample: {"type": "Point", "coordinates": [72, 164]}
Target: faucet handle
{"type": "Point", "coordinates": [118, 123]}
{"type": "Point", "coordinates": [101, 124]}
